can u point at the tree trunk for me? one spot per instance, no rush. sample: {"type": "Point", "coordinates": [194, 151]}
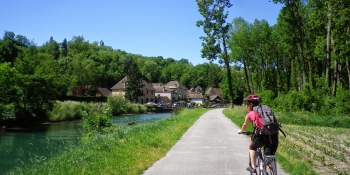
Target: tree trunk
{"type": "Point", "coordinates": [328, 49]}
{"type": "Point", "coordinates": [229, 77]}
{"type": "Point", "coordinates": [335, 78]}
{"type": "Point", "coordinates": [245, 65]}
{"type": "Point", "coordinates": [347, 58]}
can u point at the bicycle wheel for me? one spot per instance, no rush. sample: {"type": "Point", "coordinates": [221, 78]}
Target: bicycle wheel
{"type": "Point", "coordinates": [261, 169]}
{"type": "Point", "coordinates": [272, 168]}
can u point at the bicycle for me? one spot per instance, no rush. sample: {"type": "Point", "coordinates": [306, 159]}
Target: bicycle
{"type": "Point", "coordinates": [266, 164]}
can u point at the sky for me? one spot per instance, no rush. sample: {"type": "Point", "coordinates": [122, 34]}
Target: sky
{"type": "Point", "coordinates": [147, 27]}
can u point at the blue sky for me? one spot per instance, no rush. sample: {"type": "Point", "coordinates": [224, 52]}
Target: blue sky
{"type": "Point", "coordinates": [147, 27]}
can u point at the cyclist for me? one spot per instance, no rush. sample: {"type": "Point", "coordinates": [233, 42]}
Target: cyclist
{"type": "Point", "coordinates": [257, 140]}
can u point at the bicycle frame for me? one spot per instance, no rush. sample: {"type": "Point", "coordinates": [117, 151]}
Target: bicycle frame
{"type": "Point", "coordinates": [265, 164]}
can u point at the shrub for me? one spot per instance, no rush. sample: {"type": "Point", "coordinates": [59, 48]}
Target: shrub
{"type": "Point", "coordinates": [95, 122]}
{"type": "Point", "coordinates": [267, 97]}
{"type": "Point", "coordinates": [117, 104]}
{"type": "Point", "coordinates": [133, 109]}
{"type": "Point", "coordinates": [341, 101]}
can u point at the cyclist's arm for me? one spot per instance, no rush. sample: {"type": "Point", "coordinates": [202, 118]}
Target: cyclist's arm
{"type": "Point", "coordinates": [245, 124]}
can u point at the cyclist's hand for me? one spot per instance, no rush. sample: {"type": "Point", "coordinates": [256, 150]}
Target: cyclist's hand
{"type": "Point", "coordinates": [239, 131]}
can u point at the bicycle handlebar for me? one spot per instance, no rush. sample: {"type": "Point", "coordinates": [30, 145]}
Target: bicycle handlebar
{"type": "Point", "coordinates": [247, 133]}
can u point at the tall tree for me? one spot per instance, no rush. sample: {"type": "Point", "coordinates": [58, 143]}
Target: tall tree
{"type": "Point", "coordinates": [64, 48]}
{"type": "Point", "coordinates": [216, 30]}
{"type": "Point", "coordinates": [8, 49]}
{"type": "Point", "coordinates": [134, 78]}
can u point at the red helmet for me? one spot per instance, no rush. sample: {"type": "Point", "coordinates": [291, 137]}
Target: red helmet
{"type": "Point", "coordinates": [253, 98]}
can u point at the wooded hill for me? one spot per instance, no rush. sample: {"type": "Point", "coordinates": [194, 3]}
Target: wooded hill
{"type": "Point", "coordinates": [300, 63]}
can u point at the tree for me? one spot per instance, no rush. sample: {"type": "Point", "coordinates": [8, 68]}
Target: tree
{"type": "Point", "coordinates": [9, 91]}
{"type": "Point", "coordinates": [134, 78]}
{"type": "Point", "coordinates": [151, 71]}
{"type": "Point", "coordinates": [64, 48]}
{"type": "Point", "coordinates": [8, 49]}
{"type": "Point", "coordinates": [216, 30]}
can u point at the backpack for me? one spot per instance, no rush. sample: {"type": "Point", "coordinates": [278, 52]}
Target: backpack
{"type": "Point", "coordinates": [267, 123]}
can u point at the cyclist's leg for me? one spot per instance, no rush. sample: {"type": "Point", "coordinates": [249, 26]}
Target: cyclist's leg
{"type": "Point", "coordinates": [274, 146]}
{"type": "Point", "coordinates": [254, 145]}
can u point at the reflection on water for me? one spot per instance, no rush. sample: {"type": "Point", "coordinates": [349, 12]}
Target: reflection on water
{"type": "Point", "coordinates": [140, 117]}
{"type": "Point", "coordinates": [19, 147]}
{"type": "Point", "coordinates": [30, 145]}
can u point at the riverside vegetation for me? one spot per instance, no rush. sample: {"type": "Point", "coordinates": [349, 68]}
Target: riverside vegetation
{"type": "Point", "coordinates": [107, 148]}
{"type": "Point", "coordinates": [315, 144]}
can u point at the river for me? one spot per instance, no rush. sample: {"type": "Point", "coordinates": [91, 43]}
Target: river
{"type": "Point", "coordinates": [31, 145]}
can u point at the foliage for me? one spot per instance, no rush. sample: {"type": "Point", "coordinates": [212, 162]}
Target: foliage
{"type": "Point", "coordinates": [217, 33]}
{"type": "Point", "coordinates": [134, 79]}
{"type": "Point", "coordinates": [136, 109]}
{"type": "Point", "coordinates": [95, 122]}
{"type": "Point", "coordinates": [267, 97]}
{"type": "Point", "coordinates": [117, 104]}
{"type": "Point", "coordinates": [70, 110]}
{"type": "Point", "coordinates": [301, 63]}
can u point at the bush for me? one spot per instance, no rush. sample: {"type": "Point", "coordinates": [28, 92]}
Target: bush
{"type": "Point", "coordinates": [267, 97]}
{"type": "Point", "coordinates": [117, 104]}
{"type": "Point", "coordinates": [133, 109]}
{"type": "Point", "coordinates": [342, 103]}
{"type": "Point", "coordinates": [96, 122]}
{"type": "Point", "coordinates": [70, 110]}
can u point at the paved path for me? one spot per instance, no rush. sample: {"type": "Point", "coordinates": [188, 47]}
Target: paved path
{"type": "Point", "coordinates": [211, 146]}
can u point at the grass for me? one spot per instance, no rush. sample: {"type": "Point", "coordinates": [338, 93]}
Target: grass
{"type": "Point", "coordinates": [314, 144]}
{"type": "Point", "coordinates": [71, 110]}
{"type": "Point", "coordinates": [126, 150]}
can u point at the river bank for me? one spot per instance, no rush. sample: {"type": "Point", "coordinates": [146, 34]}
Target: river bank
{"type": "Point", "coordinates": [23, 146]}
{"type": "Point", "coordinates": [123, 150]}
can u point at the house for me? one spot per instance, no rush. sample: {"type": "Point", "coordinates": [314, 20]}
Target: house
{"type": "Point", "coordinates": [195, 95]}
{"type": "Point", "coordinates": [180, 91]}
{"type": "Point", "coordinates": [173, 90]}
{"type": "Point", "coordinates": [103, 92]}
{"type": "Point", "coordinates": [147, 91]}
{"type": "Point", "coordinates": [162, 93]}
{"type": "Point", "coordinates": [215, 95]}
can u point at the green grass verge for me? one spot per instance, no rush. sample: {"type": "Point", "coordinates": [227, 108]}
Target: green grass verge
{"type": "Point", "coordinates": [125, 150]}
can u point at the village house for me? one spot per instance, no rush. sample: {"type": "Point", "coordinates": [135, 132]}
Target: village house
{"type": "Point", "coordinates": [147, 91]}
{"type": "Point", "coordinates": [173, 90]}
{"type": "Point", "coordinates": [180, 91]}
{"type": "Point", "coordinates": [195, 95]}
{"type": "Point", "coordinates": [215, 95]}
{"type": "Point", "coordinates": [163, 94]}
